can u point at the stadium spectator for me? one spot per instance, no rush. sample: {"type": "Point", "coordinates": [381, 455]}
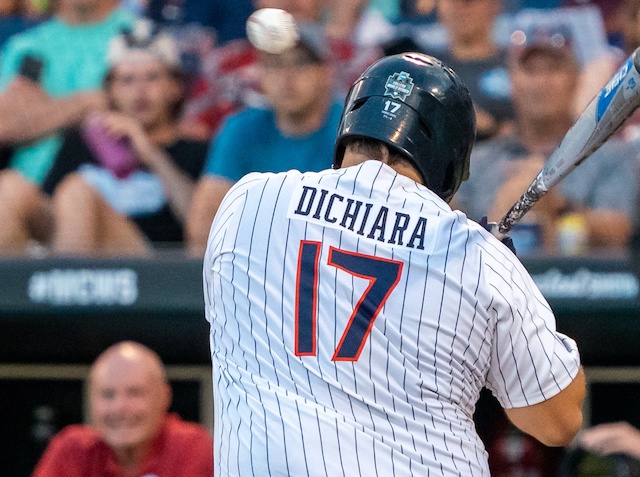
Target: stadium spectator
{"type": "Point", "coordinates": [544, 76]}
{"type": "Point", "coordinates": [296, 131]}
{"type": "Point", "coordinates": [230, 76]}
{"type": "Point", "coordinates": [599, 71]}
{"type": "Point", "coordinates": [472, 51]}
{"type": "Point", "coordinates": [124, 180]}
{"type": "Point", "coordinates": [49, 82]}
{"type": "Point", "coordinates": [340, 19]}
{"type": "Point", "coordinates": [132, 433]}
{"type": "Point", "coordinates": [610, 448]}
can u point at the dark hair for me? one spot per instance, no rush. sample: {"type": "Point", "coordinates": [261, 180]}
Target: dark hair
{"type": "Point", "coordinates": [176, 74]}
{"type": "Point", "coordinates": [377, 150]}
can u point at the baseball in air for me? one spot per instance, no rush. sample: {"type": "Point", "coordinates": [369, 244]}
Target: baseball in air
{"type": "Point", "coordinates": [272, 30]}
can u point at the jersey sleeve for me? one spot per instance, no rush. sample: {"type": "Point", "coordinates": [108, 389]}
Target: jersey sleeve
{"type": "Point", "coordinates": [530, 360]}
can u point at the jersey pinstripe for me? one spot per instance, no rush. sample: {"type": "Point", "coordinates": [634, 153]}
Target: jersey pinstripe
{"type": "Point", "coordinates": [354, 320]}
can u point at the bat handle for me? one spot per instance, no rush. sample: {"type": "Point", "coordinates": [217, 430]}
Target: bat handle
{"type": "Point", "coordinates": [532, 195]}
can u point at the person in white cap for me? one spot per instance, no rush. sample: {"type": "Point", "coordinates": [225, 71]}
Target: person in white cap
{"type": "Point", "coordinates": [295, 131]}
{"type": "Point", "coordinates": [123, 181]}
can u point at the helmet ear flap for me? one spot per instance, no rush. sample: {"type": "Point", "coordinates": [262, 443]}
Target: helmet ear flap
{"type": "Point", "coordinates": [426, 129]}
{"type": "Point", "coordinates": [349, 108]}
{"type": "Point", "coordinates": [450, 182]}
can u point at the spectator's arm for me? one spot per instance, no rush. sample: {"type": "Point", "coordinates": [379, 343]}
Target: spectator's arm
{"type": "Point", "coordinates": [224, 166]}
{"type": "Point", "coordinates": [177, 184]}
{"type": "Point", "coordinates": [56, 461]}
{"type": "Point", "coordinates": [612, 438]}
{"type": "Point", "coordinates": [28, 113]}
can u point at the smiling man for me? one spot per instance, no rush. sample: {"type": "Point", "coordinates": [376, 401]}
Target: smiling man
{"type": "Point", "coordinates": [131, 434]}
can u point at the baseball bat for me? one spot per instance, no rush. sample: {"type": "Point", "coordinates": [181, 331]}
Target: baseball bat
{"type": "Point", "coordinates": [606, 112]}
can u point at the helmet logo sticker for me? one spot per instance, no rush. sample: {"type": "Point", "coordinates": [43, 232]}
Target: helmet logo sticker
{"type": "Point", "coordinates": [390, 109]}
{"type": "Point", "coordinates": [399, 85]}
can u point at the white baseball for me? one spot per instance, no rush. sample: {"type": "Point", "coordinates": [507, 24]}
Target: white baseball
{"type": "Point", "coordinates": [272, 30]}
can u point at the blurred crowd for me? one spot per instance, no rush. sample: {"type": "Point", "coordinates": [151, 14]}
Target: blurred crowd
{"type": "Point", "coordinates": [124, 122]}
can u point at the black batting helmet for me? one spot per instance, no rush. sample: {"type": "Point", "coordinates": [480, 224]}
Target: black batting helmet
{"type": "Point", "coordinates": [420, 108]}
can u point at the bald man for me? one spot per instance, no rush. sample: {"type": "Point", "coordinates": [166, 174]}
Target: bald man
{"type": "Point", "coordinates": [132, 433]}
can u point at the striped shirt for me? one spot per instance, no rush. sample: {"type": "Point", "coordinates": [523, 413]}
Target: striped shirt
{"type": "Point", "coordinates": [354, 320]}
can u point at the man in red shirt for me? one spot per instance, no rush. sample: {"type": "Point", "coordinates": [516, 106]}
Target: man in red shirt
{"type": "Point", "coordinates": [131, 434]}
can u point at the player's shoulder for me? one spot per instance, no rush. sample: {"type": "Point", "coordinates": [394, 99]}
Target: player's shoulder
{"type": "Point", "coordinates": [256, 185]}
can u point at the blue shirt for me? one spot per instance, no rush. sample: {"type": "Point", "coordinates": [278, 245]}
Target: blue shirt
{"type": "Point", "coordinates": [249, 141]}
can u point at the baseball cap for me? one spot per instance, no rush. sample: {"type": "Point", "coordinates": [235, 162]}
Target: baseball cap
{"type": "Point", "coordinates": [554, 39]}
{"type": "Point", "coordinates": [313, 38]}
{"type": "Point", "coordinates": [143, 40]}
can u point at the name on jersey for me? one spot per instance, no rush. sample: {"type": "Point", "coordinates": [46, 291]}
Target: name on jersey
{"type": "Point", "coordinates": [370, 220]}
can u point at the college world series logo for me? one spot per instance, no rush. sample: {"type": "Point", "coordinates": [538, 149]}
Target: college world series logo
{"type": "Point", "coordinates": [399, 85]}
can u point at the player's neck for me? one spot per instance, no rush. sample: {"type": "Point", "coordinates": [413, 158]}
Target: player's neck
{"type": "Point", "coordinates": [401, 167]}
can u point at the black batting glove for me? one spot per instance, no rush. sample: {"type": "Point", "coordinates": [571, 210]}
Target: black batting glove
{"type": "Point", "coordinates": [507, 241]}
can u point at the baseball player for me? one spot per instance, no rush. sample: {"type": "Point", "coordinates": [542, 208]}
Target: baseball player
{"type": "Point", "coordinates": [355, 317]}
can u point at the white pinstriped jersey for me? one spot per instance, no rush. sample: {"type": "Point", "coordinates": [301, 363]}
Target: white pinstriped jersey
{"type": "Point", "coordinates": [354, 320]}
